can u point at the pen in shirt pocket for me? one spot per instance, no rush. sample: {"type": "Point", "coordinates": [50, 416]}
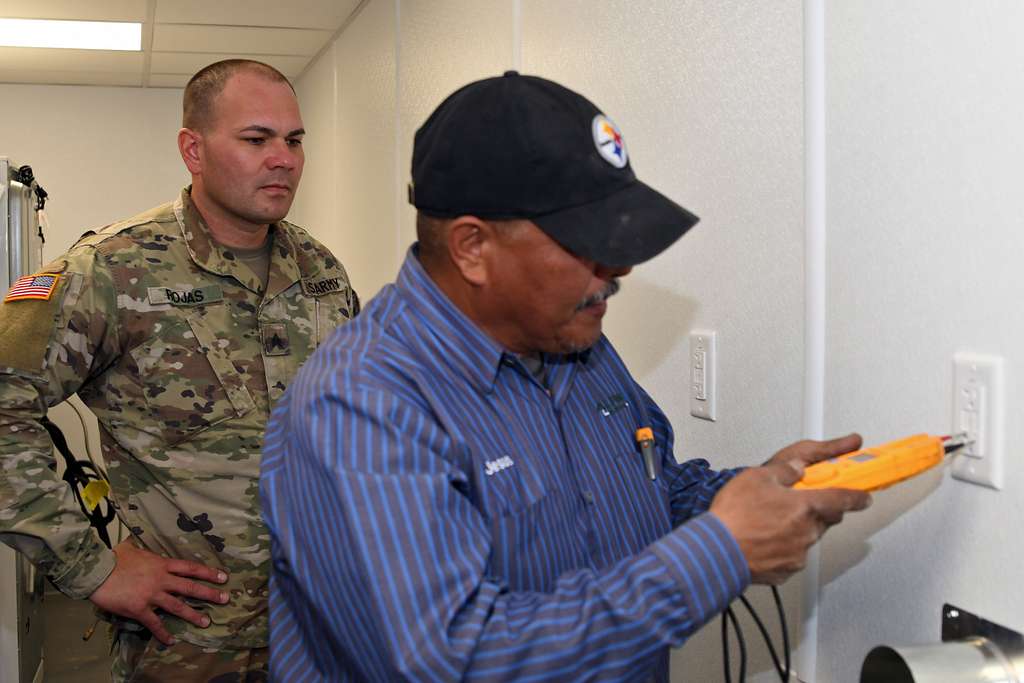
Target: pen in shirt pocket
{"type": "Point", "coordinates": [645, 437]}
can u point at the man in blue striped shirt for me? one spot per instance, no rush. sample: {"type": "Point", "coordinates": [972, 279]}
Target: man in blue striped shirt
{"type": "Point", "coordinates": [455, 483]}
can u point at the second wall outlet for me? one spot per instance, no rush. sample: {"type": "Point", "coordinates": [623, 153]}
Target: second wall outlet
{"type": "Point", "coordinates": [702, 374]}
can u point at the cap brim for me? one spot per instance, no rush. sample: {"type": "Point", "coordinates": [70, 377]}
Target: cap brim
{"type": "Point", "coordinates": [629, 227]}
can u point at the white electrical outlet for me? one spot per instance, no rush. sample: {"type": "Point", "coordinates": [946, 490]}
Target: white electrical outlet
{"type": "Point", "coordinates": [978, 412]}
{"type": "Point", "coordinates": [702, 374]}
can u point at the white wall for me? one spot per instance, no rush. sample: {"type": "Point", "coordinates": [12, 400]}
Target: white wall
{"type": "Point", "coordinates": [709, 96]}
{"type": "Point", "coordinates": [103, 154]}
{"type": "Point", "coordinates": [926, 163]}
{"type": "Point", "coordinates": [351, 194]}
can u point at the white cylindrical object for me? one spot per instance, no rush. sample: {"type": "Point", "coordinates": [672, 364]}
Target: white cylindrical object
{"type": "Point", "coordinates": [974, 660]}
{"type": "Point", "coordinates": [815, 286]}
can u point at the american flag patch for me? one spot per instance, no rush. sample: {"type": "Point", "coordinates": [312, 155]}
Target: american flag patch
{"type": "Point", "coordinates": [38, 286]}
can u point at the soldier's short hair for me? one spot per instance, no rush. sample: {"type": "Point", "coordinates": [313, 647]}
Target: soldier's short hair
{"type": "Point", "coordinates": [203, 88]}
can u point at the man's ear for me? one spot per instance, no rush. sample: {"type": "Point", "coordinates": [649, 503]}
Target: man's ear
{"type": "Point", "coordinates": [469, 241]}
{"type": "Point", "coordinates": [190, 145]}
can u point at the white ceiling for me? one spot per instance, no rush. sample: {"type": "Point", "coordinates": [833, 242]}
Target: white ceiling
{"type": "Point", "coordinates": [178, 38]}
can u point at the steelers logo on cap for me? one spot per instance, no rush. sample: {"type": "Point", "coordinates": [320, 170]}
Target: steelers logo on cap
{"type": "Point", "coordinates": [609, 142]}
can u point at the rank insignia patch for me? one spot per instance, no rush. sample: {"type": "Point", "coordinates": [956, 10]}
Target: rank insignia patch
{"type": "Point", "coordinates": [275, 339]}
{"type": "Point", "coordinates": [38, 286]}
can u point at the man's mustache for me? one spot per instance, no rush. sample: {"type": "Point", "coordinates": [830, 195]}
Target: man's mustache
{"type": "Point", "coordinates": [598, 297]}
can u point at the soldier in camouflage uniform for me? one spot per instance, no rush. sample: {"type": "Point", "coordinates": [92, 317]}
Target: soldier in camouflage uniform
{"type": "Point", "coordinates": [181, 345]}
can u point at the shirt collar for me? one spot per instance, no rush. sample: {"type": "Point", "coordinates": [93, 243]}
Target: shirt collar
{"type": "Point", "coordinates": [288, 264]}
{"type": "Point", "coordinates": [463, 345]}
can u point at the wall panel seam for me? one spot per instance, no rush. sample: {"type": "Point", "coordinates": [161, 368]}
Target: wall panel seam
{"type": "Point", "coordinates": [399, 184]}
{"type": "Point", "coordinates": [335, 113]}
{"type": "Point", "coordinates": [517, 35]}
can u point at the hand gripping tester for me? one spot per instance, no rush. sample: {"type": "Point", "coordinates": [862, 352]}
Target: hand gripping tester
{"type": "Point", "coordinates": [879, 467]}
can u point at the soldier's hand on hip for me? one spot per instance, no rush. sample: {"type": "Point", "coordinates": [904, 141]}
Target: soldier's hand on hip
{"type": "Point", "coordinates": [775, 525]}
{"type": "Point", "coordinates": [143, 582]}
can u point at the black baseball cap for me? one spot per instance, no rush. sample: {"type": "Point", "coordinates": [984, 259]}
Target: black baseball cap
{"type": "Point", "coordinates": [525, 147]}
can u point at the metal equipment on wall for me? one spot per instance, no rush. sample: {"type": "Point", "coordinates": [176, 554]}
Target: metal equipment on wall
{"type": "Point", "coordinates": [973, 650]}
{"type": "Point", "coordinates": [21, 588]}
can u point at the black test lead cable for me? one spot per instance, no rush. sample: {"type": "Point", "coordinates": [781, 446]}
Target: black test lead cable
{"type": "Point", "coordinates": [784, 671]}
{"type": "Point", "coordinates": [729, 617]}
{"type": "Point", "coordinates": [785, 635]}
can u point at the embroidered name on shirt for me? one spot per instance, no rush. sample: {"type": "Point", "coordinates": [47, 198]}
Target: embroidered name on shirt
{"type": "Point", "coordinates": [612, 404]}
{"type": "Point", "coordinates": [321, 287]}
{"type": "Point", "coordinates": [185, 297]}
{"type": "Point", "coordinates": [492, 467]}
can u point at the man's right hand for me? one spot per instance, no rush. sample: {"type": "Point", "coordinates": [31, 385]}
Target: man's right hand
{"type": "Point", "coordinates": [143, 581]}
{"type": "Point", "coordinates": [776, 525]}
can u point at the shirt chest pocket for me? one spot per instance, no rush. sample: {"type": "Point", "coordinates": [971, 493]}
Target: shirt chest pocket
{"type": "Point", "coordinates": [189, 382]}
{"type": "Point", "coordinates": [508, 488]}
{"type": "Point", "coordinates": [617, 444]}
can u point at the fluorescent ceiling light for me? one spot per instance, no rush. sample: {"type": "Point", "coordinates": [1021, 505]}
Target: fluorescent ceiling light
{"type": "Point", "coordinates": [81, 35]}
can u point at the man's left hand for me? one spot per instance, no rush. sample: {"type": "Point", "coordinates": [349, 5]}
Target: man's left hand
{"type": "Point", "coordinates": [807, 452]}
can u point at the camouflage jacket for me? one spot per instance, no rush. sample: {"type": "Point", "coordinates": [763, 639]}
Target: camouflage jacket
{"type": "Point", "coordinates": [165, 335]}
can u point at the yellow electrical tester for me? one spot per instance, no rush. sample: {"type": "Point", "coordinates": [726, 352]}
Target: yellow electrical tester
{"type": "Point", "coordinates": [872, 469]}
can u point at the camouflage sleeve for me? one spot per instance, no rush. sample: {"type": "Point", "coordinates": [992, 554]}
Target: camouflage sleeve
{"type": "Point", "coordinates": [49, 348]}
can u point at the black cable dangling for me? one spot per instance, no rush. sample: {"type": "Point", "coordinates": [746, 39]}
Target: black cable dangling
{"type": "Point", "coordinates": [743, 645]}
{"type": "Point", "coordinates": [764, 634]}
{"type": "Point", "coordinates": [785, 633]}
{"type": "Point", "coordinates": [725, 649]}
{"type": "Point", "coordinates": [730, 616]}
{"type": "Point", "coordinates": [782, 667]}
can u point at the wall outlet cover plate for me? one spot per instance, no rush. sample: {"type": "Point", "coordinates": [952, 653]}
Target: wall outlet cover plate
{"type": "Point", "coordinates": [978, 410]}
{"type": "Point", "coordinates": [702, 380]}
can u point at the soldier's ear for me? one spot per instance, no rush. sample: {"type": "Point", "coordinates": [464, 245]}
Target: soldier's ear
{"type": "Point", "coordinates": [190, 144]}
